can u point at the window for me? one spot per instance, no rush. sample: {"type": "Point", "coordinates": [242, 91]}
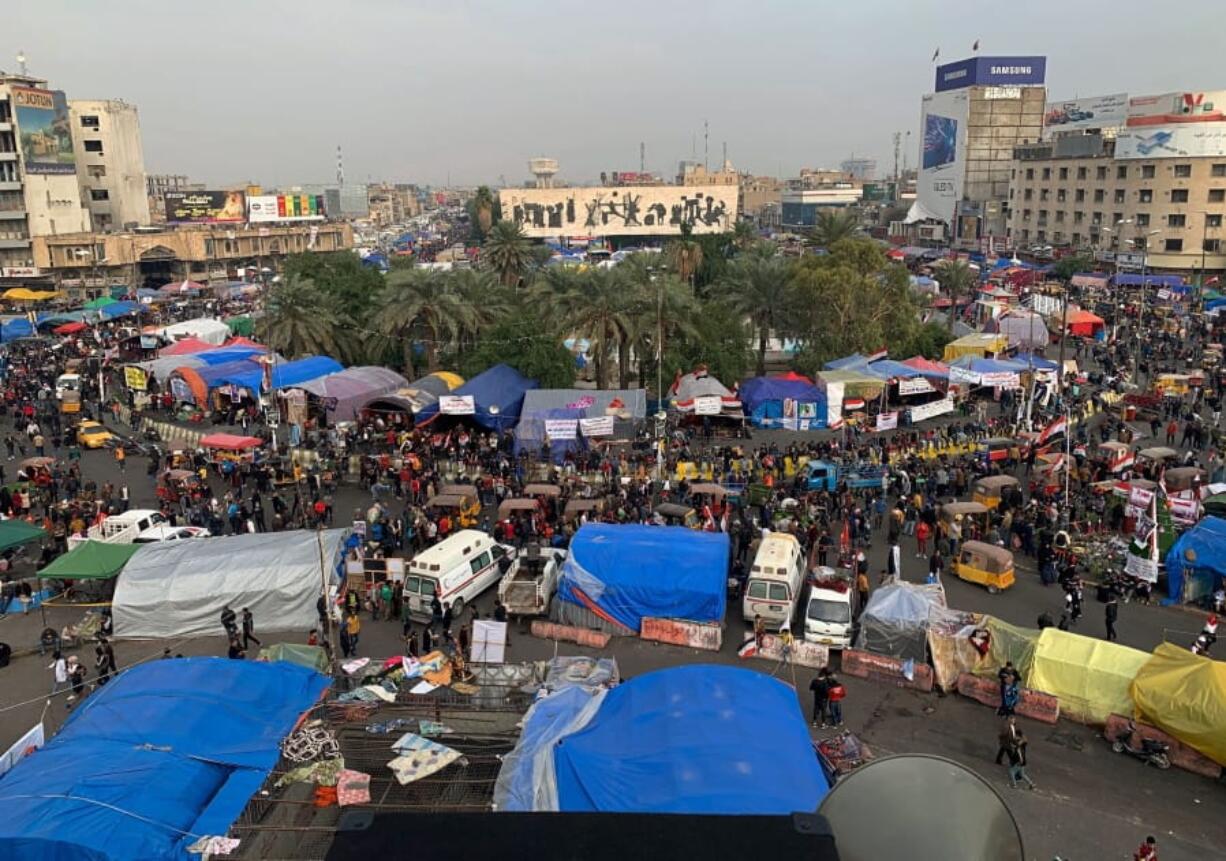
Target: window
{"type": "Point", "coordinates": [1179, 195]}
{"type": "Point", "coordinates": [99, 194]}
{"type": "Point", "coordinates": [1082, 173]}
{"type": "Point", "coordinates": [1047, 173]}
{"type": "Point", "coordinates": [1119, 196]}
{"type": "Point", "coordinates": [1077, 239]}
{"type": "Point", "coordinates": [1030, 173]}
{"type": "Point", "coordinates": [1025, 234]}
{"type": "Point", "coordinates": [1060, 195]}
{"type": "Point", "coordinates": [1026, 214]}
{"type": "Point", "coordinates": [1097, 218]}
{"type": "Point", "coordinates": [1218, 170]}
{"type": "Point", "coordinates": [1078, 217]}
{"type": "Point", "coordinates": [1173, 245]}
{"type": "Point", "coordinates": [1121, 172]}
{"type": "Point", "coordinates": [1142, 219]}
{"type": "Point", "coordinates": [1117, 217]}
{"type": "Point", "coordinates": [1213, 221]}
{"type": "Point", "coordinates": [1064, 173]}
{"type": "Point", "coordinates": [1183, 171]}
{"type": "Point", "coordinates": [1147, 171]}
{"type": "Point", "coordinates": [1099, 195]}
{"type": "Point", "coordinates": [757, 589]}
{"type": "Point", "coordinates": [1213, 246]}
{"type": "Point", "coordinates": [1147, 195]}
{"type": "Point", "coordinates": [779, 592]}
{"type": "Point", "coordinates": [1029, 195]}
{"type": "Point", "coordinates": [1013, 173]}
{"type": "Point", "coordinates": [1043, 194]}
{"type": "Point", "coordinates": [1217, 195]}
{"type": "Point", "coordinates": [1100, 173]}
{"type": "Point", "coordinates": [1059, 215]}
{"type": "Point", "coordinates": [1080, 195]}
{"type": "Point", "coordinates": [89, 122]}
{"type": "Point", "coordinates": [1042, 216]}
{"type": "Point", "coordinates": [479, 562]}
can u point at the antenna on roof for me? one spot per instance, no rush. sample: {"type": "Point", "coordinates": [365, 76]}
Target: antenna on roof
{"type": "Point", "coordinates": [21, 62]}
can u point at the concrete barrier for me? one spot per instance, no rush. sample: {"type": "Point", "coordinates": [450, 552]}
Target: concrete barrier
{"type": "Point", "coordinates": [813, 655]}
{"type": "Point", "coordinates": [583, 636]}
{"type": "Point", "coordinates": [891, 671]}
{"type": "Point", "coordinates": [1031, 704]}
{"type": "Point", "coordinates": [696, 635]}
{"type": "Point", "coordinates": [1182, 756]}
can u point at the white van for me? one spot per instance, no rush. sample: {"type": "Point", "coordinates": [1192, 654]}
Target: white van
{"type": "Point", "coordinates": [67, 383]}
{"type": "Point", "coordinates": [830, 610]}
{"type": "Point", "coordinates": [772, 590]}
{"type": "Point", "coordinates": [460, 567]}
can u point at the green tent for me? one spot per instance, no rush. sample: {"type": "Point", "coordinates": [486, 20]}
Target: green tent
{"type": "Point", "coordinates": [15, 532]}
{"type": "Point", "coordinates": [93, 560]}
{"type": "Point", "coordinates": [311, 657]}
{"type": "Point", "coordinates": [243, 326]}
{"type": "Point", "coordinates": [100, 302]}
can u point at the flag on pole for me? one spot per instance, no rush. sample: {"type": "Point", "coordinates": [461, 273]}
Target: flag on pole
{"type": "Point", "coordinates": [1056, 429]}
{"type": "Point", "coordinates": [936, 54]}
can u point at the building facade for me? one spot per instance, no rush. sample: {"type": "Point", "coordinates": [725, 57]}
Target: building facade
{"type": "Point", "coordinates": [110, 162]}
{"type": "Point", "coordinates": [801, 207]}
{"type": "Point", "coordinates": [1163, 212]}
{"type": "Point", "coordinates": [39, 193]}
{"type": "Point", "coordinates": [695, 173]}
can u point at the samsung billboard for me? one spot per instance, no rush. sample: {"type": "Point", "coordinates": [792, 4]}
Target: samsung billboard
{"type": "Point", "coordinates": [991, 72]}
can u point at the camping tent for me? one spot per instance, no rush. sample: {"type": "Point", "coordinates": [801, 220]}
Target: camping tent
{"type": "Point", "coordinates": [784, 401]}
{"type": "Point", "coordinates": [621, 573]}
{"type": "Point", "coordinates": [1196, 562]}
{"type": "Point", "coordinates": [895, 620]}
{"type": "Point", "coordinates": [699, 393]}
{"type": "Point", "coordinates": [1185, 695]}
{"type": "Point", "coordinates": [1091, 677]}
{"type": "Point", "coordinates": [205, 328]}
{"type": "Point", "coordinates": [981, 344]}
{"type": "Point", "coordinates": [628, 407]}
{"type": "Point", "coordinates": [1024, 329]}
{"type": "Point", "coordinates": [283, 375]}
{"type": "Point", "coordinates": [696, 739]}
{"type": "Point", "coordinates": [1084, 324]}
{"type": "Point", "coordinates": [167, 752]}
{"type": "Point", "coordinates": [497, 397]}
{"type": "Point", "coordinates": [92, 560]}
{"type": "Point", "coordinates": [417, 395]}
{"type": "Point", "coordinates": [178, 588]}
{"type": "Point", "coordinates": [349, 389]}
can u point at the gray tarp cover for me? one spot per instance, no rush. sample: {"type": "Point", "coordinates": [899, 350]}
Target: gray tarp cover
{"type": "Point", "coordinates": [178, 588]}
{"type": "Point", "coordinates": [895, 620]}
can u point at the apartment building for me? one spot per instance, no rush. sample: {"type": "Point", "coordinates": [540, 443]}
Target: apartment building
{"type": "Point", "coordinates": [110, 162]}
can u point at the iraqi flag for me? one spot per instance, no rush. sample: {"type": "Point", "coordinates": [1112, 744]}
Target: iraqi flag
{"type": "Point", "coordinates": [749, 649]}
{"type": "Point", "coordinates": [1056, 429]}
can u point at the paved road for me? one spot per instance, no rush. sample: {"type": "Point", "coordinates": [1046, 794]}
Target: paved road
{"type": "Point", "coordinates": [1090, 804]}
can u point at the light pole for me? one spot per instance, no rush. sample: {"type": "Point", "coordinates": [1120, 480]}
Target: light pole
{"type": "Point", "coordinates": [1136, 360]}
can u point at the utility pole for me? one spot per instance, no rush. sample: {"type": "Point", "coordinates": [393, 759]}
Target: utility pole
{"type": "Point", "coordinates": [706, 146]}
{"type": "Point", "coordinates": [897, 147]}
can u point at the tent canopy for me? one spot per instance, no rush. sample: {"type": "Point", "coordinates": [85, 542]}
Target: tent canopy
{"type": "Point", "coordinates": [895, 620]}
{"type": "Point", "coordinates": [1090, 676]}
{"type": "Point", "coordinates": [498, 397]}
{"type": "Point", "coordinates": [284, 376]}
{"type": "Point", "coordinates": [1196, 562]}
{"type": "Point", "coordinates": [1185, 695]}
{"type": "Point", "coordinates": [975, 344]}
{"type": "Point", "coordinates": [153, 760]}
{"type": "Point", "coordinates": [204, 328]}
{"type": "Point", "coordinates": [178, 588]}
{"type": "Point", "coordinates": [419, 394]}
{"type": "Point", "coordinates": [15, 532]}
{"type": "Point", "coordinates": [93, 560]}
{"type": "Point", "coordinates": [763, 398]}
{"type": "Point", "coordinates": [100, 302]}
{"type": "Point", "coordinates": [625, 572]}
{"type": "Point", "coordinates": [697, 739]}
{"type": "Point", "coordinates": [354, 387]}
{"type": "Point", "coordinates": [627, 406]}
{"type": "Point", "coordinates": [700, 384]}
{"type": "Point", "coordinates": [1024, 329]}
{"type": "Point", "coordinates": [186, 347]}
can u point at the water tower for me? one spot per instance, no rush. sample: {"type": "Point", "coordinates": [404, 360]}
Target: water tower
{"type": "Point", "coordinates": [543, 169]}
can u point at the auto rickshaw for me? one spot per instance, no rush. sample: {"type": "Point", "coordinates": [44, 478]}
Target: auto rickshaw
{"type": "Point", "coordinates": [1157, 455]}
{"type": "Point", "coordinates": [678, 515]}
{"type": "Point", "coordinates": [985, 564]}
{"type": "Point", "coordinates": [507, 506]}
{"type": "Point", "coordinates": [233, 448]}
{"type": "Point", "coordinates": [1172, 385]}
{"type": "Point", "coordinates": [991, 489]}
{"type": "Point", "coordinates": [958, 512]}
{"type": "Point", "coordinates": [460, 499]}
{"type": "Point", "coordinates": [1183, 478]}
{"type": "Point", "coordinates": [999, 449]}
{"type": "Point", "coordinates": [577, 507]}
{"type": "Point", "coordinates": [542, 490]}
{"type": "Point", "coordinates": [175, 483]}
{"type": "Point", "coordinates": [1116, 456]}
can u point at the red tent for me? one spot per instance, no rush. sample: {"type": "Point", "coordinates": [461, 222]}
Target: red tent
{"type": "Point", "coordinates": [230, 441]}
{"type": "Point", "coordinates": [1083, 324]}
{"type": "Point", "coordinates": [69, 328]}
{"type": "Point", "coordinates": [792, 377]}
{"type": "Point", "coordinates": [186, 347]}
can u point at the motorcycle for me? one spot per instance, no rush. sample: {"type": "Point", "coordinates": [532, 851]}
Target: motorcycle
{"type": "Point", "coordinates": [1151, 752]}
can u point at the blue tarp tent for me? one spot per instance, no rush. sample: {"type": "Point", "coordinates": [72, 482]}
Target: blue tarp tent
{"type": "Point", "coordinates": [626, 406]}
{"type": "Point", "coordinates": [1169, 281]}
{"type": "Point", "coordinates": [121, 309]}
{"type": "Point", "coordinates": [852, 362]}
{"type": "Point", "coordinates": [694, 739]}
{"type": "Point", "coordinates": [1196, 562]}
{"type": "Point", "coordinates": [763, 399]}
{"type": "Point", "coordinates": [498, 397]}
{"type": "Point", "coordinates": [623, 572]}
{"type": "Point", "coordinates": [1040, 363]}
{"type": "Point", "coordinates": [168, 751]}
{"type": "Point", "coordinates": [283, 376]}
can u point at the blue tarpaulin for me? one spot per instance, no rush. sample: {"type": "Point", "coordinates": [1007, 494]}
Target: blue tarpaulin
{"type": "Point", "coordinates": [498, 397]}
{"type": "Point", "coordinates": [1198, 555]}
{"type": "Point", "coordinates": [222, 355]}
{"type": "Point", "coordinates": [121, 309]}
{"type": "Point", "coordinates": [1149, 280]}
{"type": "Point", "coordinates": [763, 399]}
{"type": "Point", "coordinates": [167, 752]}
{"type": "Point", "coordinates": [693, 739]}
{"type": "Point", "coordinates": [852, 362]}
{"type": "Point", "coordinates": [283, 376]}
{"type": "Point", "coordinates": [624, 572]}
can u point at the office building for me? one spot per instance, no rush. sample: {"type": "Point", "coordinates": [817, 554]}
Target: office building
{"type": "Point", "coordinates": [801, 206]}
{"type": "Point", "coordinates": [39, 193]}
{"type": "Point", "coordinates": [696, 173]}
{"type": "Point", "coordinates": [110, 163]}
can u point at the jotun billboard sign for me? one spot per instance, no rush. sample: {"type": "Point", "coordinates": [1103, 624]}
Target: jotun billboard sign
{"type": "Point", "coordinates": [46, 134]}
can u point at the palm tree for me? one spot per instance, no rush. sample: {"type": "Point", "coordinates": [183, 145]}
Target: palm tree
{"type": "Point", "coordinates": [420, 305]}
{"type": "Point", "coordinates": [684, 256]}
{"type": "Point", "coordinates": [507, 251]}
{"type": "Point", "coordinates": [594, 305]}
{"type": "Point", "coordinates": [483, 209]}
{"type": "Point", "coordinates": [831, 226]}
{"type": "Point", "coordinates": [757, 286]}
{"type": "Point", "coordinates": [299, 320]}
{"type": "Point", "coordinates": [956, 279]}
{"type": "Point", "coordinates": [744, 234]}
{"type": "Point", "coordinates": [487, 299]}
{"type": "Point", "coordinates": [659, 307]}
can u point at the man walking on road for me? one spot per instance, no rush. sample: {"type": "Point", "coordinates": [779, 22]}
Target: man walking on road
{"type": "Point", "coordinates": [1112, 613]}
{"type": "Point", "coordinates": [249, 636]}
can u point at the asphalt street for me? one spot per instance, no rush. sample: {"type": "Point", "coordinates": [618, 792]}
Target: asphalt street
{"type": "Point", "coordinates": [1089, 804]}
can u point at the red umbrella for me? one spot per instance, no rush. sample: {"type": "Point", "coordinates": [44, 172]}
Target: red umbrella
{"type": "Point", "coordinates": [69, 328]}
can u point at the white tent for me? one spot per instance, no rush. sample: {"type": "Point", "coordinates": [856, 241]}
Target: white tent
{"type": "Point", "coordinates": [178, 588]}
{"type": "Point", "coordinates": [204, 328]}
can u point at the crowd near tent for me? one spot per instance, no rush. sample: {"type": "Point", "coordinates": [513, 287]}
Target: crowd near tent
{"type": "Point", "coordinates": [784, 401]}
{"type": "Point", "coordinates": [1091, 677]}
{"type": "Point", "coordinates": [492, 399]}
{"type": "Point", "coordinates": [345, 392]}
{"type": "Point", "coordinates": [1185, 695]}
{"type": "Point", "coordinates": [178, 588]}
{"type": "Point", "coordinates": [1084, 324]}
{"type": "Point", "coordinates": [698, 393]}
{"type": "Point", "coordinates": [895, 620]}
{"type": "Point", "coordinates": [619, 573]}
{"type": "Point", "coordinates": [1196, 562]}
{"type": "Point", "coordinates": [694, 739]}
{"type": "Point", "coordinates": [167, 752]}
{"type": "Point", "coordinates": [565, 408]}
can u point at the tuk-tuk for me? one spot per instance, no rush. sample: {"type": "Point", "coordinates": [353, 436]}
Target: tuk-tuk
{"type": "Point", "coordinates": [990, 489]}
{"type": "Point", "coordinates": [954, 512]}
{"type": "Point", "coordinates": [1172, 385]}
{"type": "Point", "coordinates": [175, 483]}
{"type": "Point", "coordinates": [678, 515]}
{"type": "Point", "coordinates": [985, 564]}
{"type": "Point", "coordinates": [1184, 478]}
{"type": "Point", "coordinates": [462, 498]}
{"type": "Point", "coordinates": [1158, 454]}
{"type": "Point", "coordinates": [231, 447]}
{"type": "Point", "coordinates": [507, 506]}
{"type": "Point", "coordinates": [999, 448]}
{"type": "Point", "coordinates": [576, 507]}
{"type": "Point", "coordinates": [1116, 456]}
{"type": "Point", "coordinates": [542, 490]}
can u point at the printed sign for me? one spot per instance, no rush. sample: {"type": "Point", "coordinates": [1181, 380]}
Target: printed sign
{"type": "Point", "coordinates": [1098, 112]}
{"type": "Point", "coordinates": [285, 207]}
{"type": "Point", "coordinates": [927, 411]}
{"type": "Point", "coordinates": [1167, 108]}
{"type": "Point", "coordinates": [181, 391]}
{"type": "Point", "coordinates": [991, 72]}
{"type": "Point", "coordinates": [601, 426]}
{"type": "Point", "coordinates": [560, 429]}
{"type": "Point", "coordinates": [489, 642]}
{"type": "Point", "coordinates": [1185, 511]}
{"type": "Point", "coordinates": [45, 130]}
{"type": "Point", "coordinates": [205, 207]}
{"type": "Point", "coordinates": [1195, 140]}
{"type": "Point", "coordinates": [457, 405]}
{"type": "Point", "coordinates": [917, 386]}
{"type": "Point", "coordinates": [134, 378]}
{"type": "Point", "coordinates": [1141, 568]}
{"type": "Point", "coordinates": [887, 421]}
{"type": "Point", "coordinates": [708, 405]}
{"type": "Point", "coordinates": [1001, 380]}
{"type": "Point", "coordinates": [942, 154]}
{"type": "Point", "coordinates": [962, 375]}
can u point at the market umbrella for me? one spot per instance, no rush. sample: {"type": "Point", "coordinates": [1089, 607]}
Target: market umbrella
{"type": "Point", "coordinates": [100, 302]}
{"type": "Point", "coordinates": [69, 328]}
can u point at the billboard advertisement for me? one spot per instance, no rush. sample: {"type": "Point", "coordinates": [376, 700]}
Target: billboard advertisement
{"type": "Point", "coordinates": [991, 72]}
{"type": "Point", "coordinates": [1168, 108]}
{"type": "Point", "coordinates": [46, 134]}
{"type": "Point", "coordinates": [285, 207]}
{"type": "Point", "coordinates": [205, 207]}
{"type": "Point", "coordinates": [1182, 141]}
{"type": "Point", "coordinates": [942, 154]}
{"type": "Point", "coordinates": [1098, 112]}
{"type": "Point", "coordinates": [646, 211]}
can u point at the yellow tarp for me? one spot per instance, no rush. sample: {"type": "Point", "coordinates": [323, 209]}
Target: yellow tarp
{"type": "Point", "coordinates": [1091, 677]}
{"type": "Point", "coordinates": [30, 295]}
{"type": "Point", "coordinates": [1184, 694]}
{"type": "Point", "coordinates": [977, 344]}
{"type": "Point", "coordinates": [1008, 643]}
{"type": "Point", "coordinates": [453, 381]}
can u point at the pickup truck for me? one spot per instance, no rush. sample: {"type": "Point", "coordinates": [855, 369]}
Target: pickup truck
{"type": "Point", "coordinates": [528, 586]}
{"type": "Point", "coordinates": [120, 528]}
{"type": "Point", "coordinates": [824, 475]}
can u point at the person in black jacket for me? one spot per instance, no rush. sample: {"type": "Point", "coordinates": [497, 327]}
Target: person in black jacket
{"type": "Point", "coordinates": [820, 696]}
{"type": "Point", "coordinates": [1112, 613]}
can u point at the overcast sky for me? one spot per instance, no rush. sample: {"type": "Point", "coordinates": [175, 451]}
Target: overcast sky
{"type": "Point", "coordinates": [231, 90]}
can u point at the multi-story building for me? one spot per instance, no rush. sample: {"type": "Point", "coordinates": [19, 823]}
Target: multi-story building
{"type": "Point", "coordinates": [695, 173]}
{"type": "Point", "coordinates": [39, 194]}
{"type": "Point", "coordinates": [801, 206]}
{"type": "Point", "coordinates": [762, 199]}
{"type": "Point", "coordinates": [199, 252]}
{"type": "Point", "coordinates": [110, 162]}
{"type": "Point", "coordinates": [1134, 205]}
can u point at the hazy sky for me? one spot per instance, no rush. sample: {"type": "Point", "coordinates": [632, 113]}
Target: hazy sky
{"type": "Point", "coordinates": [230, 90]}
